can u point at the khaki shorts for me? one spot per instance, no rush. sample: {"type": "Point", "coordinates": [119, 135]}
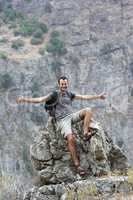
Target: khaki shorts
{"type": "Point", "coordinates": [65, 124]}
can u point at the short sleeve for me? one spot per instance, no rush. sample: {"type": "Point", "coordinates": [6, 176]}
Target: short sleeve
{"type": "Point", "coordinates": [52, 96]}
{"type": "Point", "coordinates": [72, 95]}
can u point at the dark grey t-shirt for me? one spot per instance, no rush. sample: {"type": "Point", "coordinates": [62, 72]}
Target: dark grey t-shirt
{"type": "Point", "coordinates": [64, 105]}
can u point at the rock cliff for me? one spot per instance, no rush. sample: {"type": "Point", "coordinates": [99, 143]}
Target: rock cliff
{"type": "Point", "coordinates": [50, 157]}
{"type": "Point", "coordinates": [98, 37]}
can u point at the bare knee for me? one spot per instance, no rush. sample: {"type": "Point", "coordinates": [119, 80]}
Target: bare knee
{"type": "Point", "coordinates": [89, 112]}
{"type": "Point", "coordinates": [86, 111]}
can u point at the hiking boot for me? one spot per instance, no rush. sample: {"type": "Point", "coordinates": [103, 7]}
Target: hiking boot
{"type": "Point", "coordinates": [87, 136]}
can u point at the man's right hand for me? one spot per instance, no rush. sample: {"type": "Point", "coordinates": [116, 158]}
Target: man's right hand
{"type": "Point", "coordinates": [20, 100]}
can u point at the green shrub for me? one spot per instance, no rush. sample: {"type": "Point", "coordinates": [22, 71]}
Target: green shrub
{"type": "Point", "coordinates": [56, 41]}
{"type": "Point", "coordinates": [19, 15]}
{"type": "Point", "coordinates": [50, 48]}
{"type": "Point", "coordinates": [4, 5]}
{"type": "Point", "coordinates": [10, 14]}
{"type": "Point", "coordinates": [7, 4]}
{"type": "Point", "coordinates": [3, 55]}
{"type": "Point", "coordinates": [28, 27]}
{"type": "Point", "coordinates": [3, 40]}
{"type": "Point", "coordinates": [56, 46]}
{"type": "Point", "coordinates": [55, 34]}
{"type": "Point", "coordinates": [42, 51]}
{"type": "Point", "coordinates": [43, 27]}
{"type": "Point", "coordinates": [36, 41]}
{"type": "Point", "coordinates": [17, 44]}
{"type": "Point", "coordinates": [5, 81]}
{"type": "Point", "coordinates": [38, 33]}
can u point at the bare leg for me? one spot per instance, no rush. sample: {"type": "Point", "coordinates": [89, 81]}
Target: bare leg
{"type": "Point", "coordinates": [72, 149]}
{"type": "Point", "coordinates": [73, 152]}
{"type": "Point", "coordinates": [86, 114]}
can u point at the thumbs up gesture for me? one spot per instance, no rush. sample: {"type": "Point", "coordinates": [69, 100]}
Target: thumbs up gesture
{"type": "Point", "coordinates": [20, 100]}
{"type": "Point", "coordinates": [102, 96]}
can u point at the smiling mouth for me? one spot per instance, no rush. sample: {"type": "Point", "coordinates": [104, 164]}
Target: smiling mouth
{"type": "Point", "coordinates": [63, 89]}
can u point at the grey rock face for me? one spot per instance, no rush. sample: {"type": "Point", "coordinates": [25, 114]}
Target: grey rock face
{"type": "Point", "coordinates": [99, 40]}
{"type": "Point", "coordinates": [57, 176]}
{"type": "Point", "coordinates": [51, 158]}
{"type": "Point", "coordinates": [92, 189]}
{"type": "Point", "coordinates": [98, 36]}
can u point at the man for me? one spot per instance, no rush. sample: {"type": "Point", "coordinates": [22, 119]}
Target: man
{"type": "Point", "coordinates": [64, 116]}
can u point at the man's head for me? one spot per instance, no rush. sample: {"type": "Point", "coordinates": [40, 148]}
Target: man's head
{"type": "Point", "coordinates": [63, 83]}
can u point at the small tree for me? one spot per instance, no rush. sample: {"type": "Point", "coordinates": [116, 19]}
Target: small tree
{"type": "Point", "coordinates": [56, 45]}
{"type": "Point", "coordinates": [38, 33]}
{"type": "Point", "coordinates": [3, 55]}
{"type": "Point", "coordinates": [17, 44]}
{"type": "Point", "coordinates": [5, 81]}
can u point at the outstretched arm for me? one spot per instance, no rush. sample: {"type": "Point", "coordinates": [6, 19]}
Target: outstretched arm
{"type": "Point", "coordinates": [33, 100]}
{"type": "Point", "coordinates": [90, 97]}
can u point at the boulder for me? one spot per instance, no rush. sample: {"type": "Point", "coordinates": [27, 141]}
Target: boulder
{"type": "Point", "coordinates": [52, 160]}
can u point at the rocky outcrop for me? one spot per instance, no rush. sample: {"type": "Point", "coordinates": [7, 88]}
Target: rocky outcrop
{"type": "Point", "coordinates": [99, 40]}
{"type": "Point", "coordinates": [110, 188]}
{"type": "Point", "coordinates": [50, 157]}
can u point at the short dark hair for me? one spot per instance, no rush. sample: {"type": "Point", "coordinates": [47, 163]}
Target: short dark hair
{"type": "Point", "coordinates": [62, 77]}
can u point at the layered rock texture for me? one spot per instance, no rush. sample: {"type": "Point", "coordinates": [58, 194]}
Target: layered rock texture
{"type": "Point", "coordinates": [50, 157]}
{"type": "Point", "coordinates": [110, 188]}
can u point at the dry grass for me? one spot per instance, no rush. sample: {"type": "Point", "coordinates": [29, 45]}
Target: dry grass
{"type": "Point", "coordinates": [130, 175]}
{"type": "Point", "coordinates": [82, 193]}
{"type": "Point", "coordinates": [8, 189]}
